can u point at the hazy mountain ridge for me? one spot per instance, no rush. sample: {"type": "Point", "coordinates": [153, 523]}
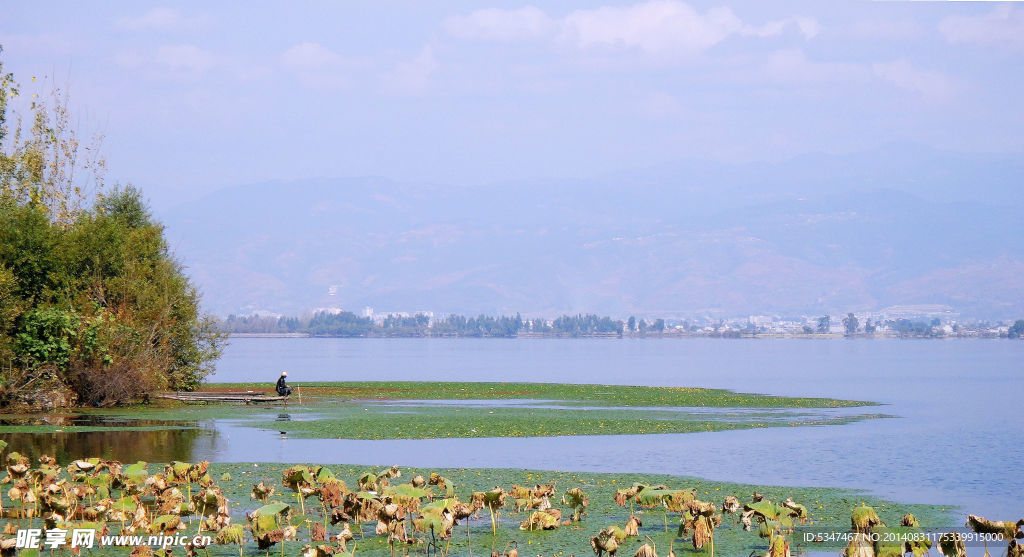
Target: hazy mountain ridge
{"type": "Point", "coordinates": [810, 235]}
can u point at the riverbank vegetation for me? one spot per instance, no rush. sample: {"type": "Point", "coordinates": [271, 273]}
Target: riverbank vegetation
{"type": "Point", "coordinates": [260, 508]}
{"type": "Point", "coordinates": [94, 309]}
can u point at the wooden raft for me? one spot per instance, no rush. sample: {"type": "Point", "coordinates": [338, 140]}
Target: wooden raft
{"type": "Point", "coordinates": [247, 397]}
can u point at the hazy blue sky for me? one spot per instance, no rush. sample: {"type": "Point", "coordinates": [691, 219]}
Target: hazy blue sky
{"type": "Point", "coordinates": [198, 95]}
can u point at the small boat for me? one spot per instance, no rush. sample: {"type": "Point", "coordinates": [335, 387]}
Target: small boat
{"type": "Point", "coordinates": [247, 397]}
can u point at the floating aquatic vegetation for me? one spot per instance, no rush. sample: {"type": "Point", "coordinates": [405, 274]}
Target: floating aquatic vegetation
{"type": "Point", "coordinates": [371, 482]}
{"type": "Point", "coordinates": [1009, 530]}
{"type": "Point", "coordinates": [167, 524]}
{"type": "Point", "coordinates": [731, 504]}
{"type": "Point", "coordinates": [778, 547]}
{"type": "Point", "coordinates": [646, 550]}
{"type": "Point", "coordinates": [437, 518]}
{"type": "Point", "coordinates": [17, 465]}
{"type": "Point", "coordinates": [322, 550]}
{"type": "Point", "coordinates": [343, 537]}
{"type": "Point", "coordinates": [951, 544]}
{"type": "Point", "coordinates": [494, 501]}
{"type": "Point", "coordinates": [541, 520]}
{"type": "Point", "coordinates": [863, 518]}
{"type": "Point", "coordinates": [577, 501]}
{"type": "Point", "coordinates": [440, 481]}
{"type": "Point", "coordinates": [269, 524]}
{"type": "Point", "coordinates": [424, 512]}
{"type": "Point", "coordinates": [231, 534]}
{"type": "Point", "coordinates": [633, 526]}
{"type": "Point", "coordinates": [606, 541]}
{"type": "Point", "coordinates": [262, 492]}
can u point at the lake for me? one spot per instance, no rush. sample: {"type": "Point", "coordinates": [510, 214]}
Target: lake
{"type": "Point", "coordinates": [956, 439]}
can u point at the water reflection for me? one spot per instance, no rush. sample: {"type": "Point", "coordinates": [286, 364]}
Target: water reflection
{"type": "Point", "coordinates": [162, 445]}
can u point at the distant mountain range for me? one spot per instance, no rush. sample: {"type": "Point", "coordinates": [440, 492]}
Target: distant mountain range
{"type": "Point", "coordinates": [899, 225]}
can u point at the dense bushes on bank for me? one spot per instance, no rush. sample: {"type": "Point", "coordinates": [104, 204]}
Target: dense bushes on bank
{"type": "Point", "coordinates": [93, 307]}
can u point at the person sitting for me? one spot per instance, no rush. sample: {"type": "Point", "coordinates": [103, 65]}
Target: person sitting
{"type": "Point", "coordinates": [282, 387]}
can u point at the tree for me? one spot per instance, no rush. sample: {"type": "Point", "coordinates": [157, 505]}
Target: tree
{"type": "Point", "coordinates": [659, 325]}
{"type": "Point", "coordinates": [631, 324]}
{"type": "Point", "coordinates": [93, 307]}
{"type": "Point", "coordinates": [850, 323]}
{"type": "Point", "coordinates": [824, 324]}
{"type": "Point", "coordinates": [869, 327]}
{"type": "Point", "coordinates": [1017, 329]}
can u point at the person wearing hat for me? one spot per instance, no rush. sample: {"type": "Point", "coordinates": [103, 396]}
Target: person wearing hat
{"type": "Point", "coordinates": [282, 387]}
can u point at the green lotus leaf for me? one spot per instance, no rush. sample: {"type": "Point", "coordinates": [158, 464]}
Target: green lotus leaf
{"type": "Point", "coordinates": [406, 490]}
{"type": "Point", "coordinates": [231, 534]}
{"type": "Point", "coordinates": [653, 497]}
{"type": "Point", "coordinates": [271, 517]}
{"type": "Point", "coordinates": [324, 474]}
{"type": "Point", "coordinates": [439, 505]}
{"type": "Point", "coordinates": [165, 523]}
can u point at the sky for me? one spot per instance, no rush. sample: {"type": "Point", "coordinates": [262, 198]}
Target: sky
{"type": "Point", "coordinates": [196, 96]}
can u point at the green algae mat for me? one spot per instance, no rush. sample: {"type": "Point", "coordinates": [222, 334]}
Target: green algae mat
{"type": "Point", "coordinates": [426, 410]}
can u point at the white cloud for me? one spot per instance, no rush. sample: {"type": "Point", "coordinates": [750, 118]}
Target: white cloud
{"type": "Point", "coordinates": [495, 24]}
{"type": "Point", "coordinates": [930, 85]}
{"type": "Point", "coordinates": [652, 27]}
{"type": "Point", "coordinates": [185, 57]}
{"type": "Point", "coordinates": [1003, 25]}
{"type": "Point", "coordinates": [162, 19]}
{"type": "Point", "coordinates": [655, 27]}
{"type": "Point", "coordinates": [310, 56]}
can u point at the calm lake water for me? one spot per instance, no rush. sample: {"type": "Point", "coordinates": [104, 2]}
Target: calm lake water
{"type": "Point", "coordinates": [957, 438]}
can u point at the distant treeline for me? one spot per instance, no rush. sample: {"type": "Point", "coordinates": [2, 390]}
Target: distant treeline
{"type": "Point", "coordinates": [348, 324]}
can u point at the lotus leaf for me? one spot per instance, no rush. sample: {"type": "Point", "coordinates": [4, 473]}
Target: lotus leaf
{"type": "Point", "coordinates": [177, 471]}
{"type": "Point", "coordinates": [540, 520]}
{"type": "Point", "coordinates": [951, 544]}
{"type": "Point", "coordinates": [653, 497]}
{"type": "Point", "coordinates": [270, 517]}
{"type": "Point", "coordinates": [231, 534]}
{"type": "Point", "coordinates": [1009, 530]}
{"type": "Point", "coordinates": [778, 547]}
{"type": "Point", "coordinates": [578, 501]}
{"type": "Point", "coordinates": [863, 518]}
{"type": "Point", "coordinates": [297, 476]}
{"type": "Point", "coordinates": [646, 550]}
{"type": "Point", "coordinates": [166, 524]}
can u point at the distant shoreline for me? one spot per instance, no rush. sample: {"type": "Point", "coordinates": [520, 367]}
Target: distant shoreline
{"type": "Point", "coordinates": [823, 336]}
